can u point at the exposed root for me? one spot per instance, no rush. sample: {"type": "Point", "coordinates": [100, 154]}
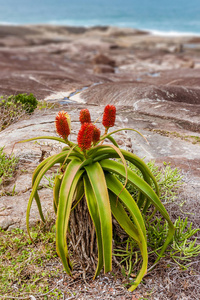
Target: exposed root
{"type": "Point", "coordinates": [82, 237]}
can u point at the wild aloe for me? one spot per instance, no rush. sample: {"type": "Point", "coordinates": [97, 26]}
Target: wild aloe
{"type": "Point", "coordinates": [89, 172]}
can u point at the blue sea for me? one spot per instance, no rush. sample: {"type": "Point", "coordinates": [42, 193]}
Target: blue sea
{"type": "Point", "coordinates": [170, 17]}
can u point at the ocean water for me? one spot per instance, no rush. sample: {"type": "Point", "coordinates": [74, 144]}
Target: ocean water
{"type": "Point", "coordinates": [158, 16]}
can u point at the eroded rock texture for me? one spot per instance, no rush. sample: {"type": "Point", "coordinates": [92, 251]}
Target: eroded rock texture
{"type": "Point", "coordinates": [153, 81]}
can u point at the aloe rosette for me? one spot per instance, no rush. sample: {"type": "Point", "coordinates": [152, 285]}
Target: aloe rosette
{"type": "Point", "coordinates": [88, 172]}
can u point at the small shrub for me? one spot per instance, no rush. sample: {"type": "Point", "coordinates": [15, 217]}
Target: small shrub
{"type": "Point", "coordinates": [182, 249]}
{"type": "Point", "coordinates": [169, 181]}
{"type": "Point", "coordinates": [29, 102]}
{"type": "Point", "coordinates": [13, 108]}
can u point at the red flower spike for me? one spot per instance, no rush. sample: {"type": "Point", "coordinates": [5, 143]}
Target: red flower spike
{"type": "Point", "coordinates": [85, 116]}
{"type": "Point", "coordinates": [109, 116]}
{"type": "Point", "coordinates": [63, 124]}
{"type": "Point", "coordinates": [85, 136]}
{"type": "Point", "coordinates": [96, 135]}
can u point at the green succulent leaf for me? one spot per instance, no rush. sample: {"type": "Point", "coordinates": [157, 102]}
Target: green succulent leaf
{"type": "Point", "coordinates": [115, 186]}
{"type": "Point", "coordinates": [122, 218]}
{"type": "Point", "coordinates": [44, 138]}
{"type": "Point", "coordinates": [138, 182]}
{"type": "Point", "coordinates": [121, 129]}
{"type": "Point", "coordinates": [58, 158]}
{"type": "Point", "coordinates": [70, 180]}
{"type": "Point", "coordinates": [109, 137]}
{"type": "Point", "coordinates": [131, 230]}
{"type": "Point", "coordinates": [39, 167]}
{"type": "Point", "coordinates": [132, 158]}
{"type": "Point", "coordinates": [98, 183]}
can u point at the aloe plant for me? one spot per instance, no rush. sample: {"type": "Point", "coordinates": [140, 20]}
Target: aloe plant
{"type": "Point", "coordinates": [89, 172]}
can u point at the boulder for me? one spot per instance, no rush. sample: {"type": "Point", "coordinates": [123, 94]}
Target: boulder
{"type": "Point", "coordinates": [101, 59]}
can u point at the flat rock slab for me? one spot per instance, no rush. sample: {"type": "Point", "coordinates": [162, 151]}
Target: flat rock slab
{"type": "Point", "coordinates": [171, 102]}
{"type": "Point", "coordinates": [153, 81]}
{"type": "Point", "coordinates": [46, 60]}
{"type": "Point", "coordinates": [13, 209]}
{"type": "Point", "coordinates": [179, 152]}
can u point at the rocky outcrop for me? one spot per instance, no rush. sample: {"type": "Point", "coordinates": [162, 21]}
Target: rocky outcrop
{"type": "Point", "coordinates": [101, 59]}
{"type": "Point", "coordinates": [153, 81]}
{"type": "Point", "coordinates": [46, 60]}
{"type": "Point", "coordinates": [168, 141]}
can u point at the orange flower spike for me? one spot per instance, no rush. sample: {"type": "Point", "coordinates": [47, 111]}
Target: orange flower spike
{"type": "Point", "coordinates": [85, 116]}
{"type": "Point", "coordinates": [109, 116]}
{"type": "Point", "coordinates": [85, 136]}
{"type": "Point", "coordinates": [63, 124]}
{"type": "Point", "coordinates": [96, 135]}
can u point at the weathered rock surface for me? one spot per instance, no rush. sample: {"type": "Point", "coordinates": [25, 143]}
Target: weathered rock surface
{"type": "Point", "coordinates": [153, 81]}
{"type": "Point", "coordinates": [46, 60]}
{"type": "Point", "coordinates": [13, 209]}
{"type": "Point", "coordinates": [163, 146]}
{"type": "Point", "coordinates": [166, 101]}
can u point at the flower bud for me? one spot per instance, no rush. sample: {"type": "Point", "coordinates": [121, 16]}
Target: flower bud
{"type": "Point", "coordinates": [63, 124]}
{"type": "Point", "coordinates": [96, 135]}
{"type": "Point", "coordinates": [85, 136]}
{"type": "Point", "coordinates": [85, 116]}
{"type": "Point", "coordinates": [109, 116]}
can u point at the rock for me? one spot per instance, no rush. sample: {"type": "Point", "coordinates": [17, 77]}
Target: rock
{"type": "Point", "coordinates": [129, 93]}
{"type": "Point", "coordinates": [116, 32]}
{"type": "Point", "coordinates": [5, 222]}
{"type": "Point", "coordinates": [194, 40]}
{"type": "Point", "coordinates": [172, 93]}
{"type": "Point", "coordinates": [6, 31]}
{"type": "Point", "coordinates": [98, 69]}
{"type": "Point", "coordinates": [160, 148]}
{"type": "Point", "coordinates": [60, 60]}
{"type": "Point", "coordinates": [23, 183]}
{"type": "Point", "coordinates": [99, 28]}
{"type": "Point", "coordinates": [151, 65]}
{"type": "Point", "coordinates": [197, 66]}
{"type": "Point", "coordinates": [174, 48]}
{"type": "Point", "coordinates": [188, 64]}
{"type": "Point", "coordinates": [16, 215]}
{"type": "Point", "coordinates": [180, 103]}
{"type": "Point", "coordinates": [101, 59]}
{"type": "Point", "coordinates": [114, 46]}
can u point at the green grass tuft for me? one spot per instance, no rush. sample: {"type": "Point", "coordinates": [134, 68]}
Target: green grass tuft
{"type": "Point", "coordinates": [8, 165]}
